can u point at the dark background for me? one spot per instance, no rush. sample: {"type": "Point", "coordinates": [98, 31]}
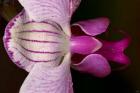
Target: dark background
{"type": "Point", "coordinates": [124, 14]}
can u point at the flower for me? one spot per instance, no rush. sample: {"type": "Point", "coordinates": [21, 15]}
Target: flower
{"type": "Point", "coordinates": [41, 41]}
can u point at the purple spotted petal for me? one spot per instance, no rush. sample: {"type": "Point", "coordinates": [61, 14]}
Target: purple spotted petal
{"type": "Point", "coordinates": [84, 44]}
{"type": "Point", "coordinates": [44, 79]}
{"type": "Point", "coordinates": [93, 27]}
{"type": "Point", "coordinates": [94, 64]}
{"type": "Point", "coordinates": [113, 51]}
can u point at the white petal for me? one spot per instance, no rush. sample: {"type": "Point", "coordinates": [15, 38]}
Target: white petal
{"type": "Point", "coordinates": [44, 79]}
{"type": "Point", "coordinates": [58, 11]}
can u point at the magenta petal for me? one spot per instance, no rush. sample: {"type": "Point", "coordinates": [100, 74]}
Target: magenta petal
{"type": "Point", "coordinates": [113, 51]}
{"type": "Point", "coordinates": [93, 27]}
{"type": "Point", "coordinates": [89, 44]}
{"type": "Point", "coordinates": [94, 64]}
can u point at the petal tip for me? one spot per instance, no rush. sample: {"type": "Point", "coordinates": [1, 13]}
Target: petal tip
{"type": "Point", "coordinates": [94, 64]}
{"type": "Point", "coordinates": [93, 27]}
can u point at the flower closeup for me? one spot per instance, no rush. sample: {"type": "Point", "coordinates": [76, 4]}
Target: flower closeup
{"type": "Point", "coordinates": [41, 40]}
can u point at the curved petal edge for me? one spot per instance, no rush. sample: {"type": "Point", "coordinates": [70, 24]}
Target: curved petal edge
{"type": "Point", "coordinates": [94, 64]}
{"type": "Point", "coordinates": [93, 27]}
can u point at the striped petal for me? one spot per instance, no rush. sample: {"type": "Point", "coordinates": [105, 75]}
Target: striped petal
{"type": "Point", "coordinates": [43, 79]}
{"type": "Point", "coordinates": [58, 11]}
{"type": "Point", "coordinates": [31, 42]}
{"type": "Point", "coordinates": [93, 27]}
{"type": "Point", "coordinates": [94, 64]}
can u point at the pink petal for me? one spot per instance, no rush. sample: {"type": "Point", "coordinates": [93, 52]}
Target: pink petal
{"type": "Point", "coordinates": [89, 44]}
{"type": "Point", "coordinates": [74, 5]}
{"type": "Point", "coordinates": [44, 79]}
{"type": "Point", "coordinates": [93, 27]}
{"type": "Point", "coordinates": [113, 51]}
{"type": "Point", "coordinates": [94, 64]}
{"type": "Point", "coordinates": [58, 11]}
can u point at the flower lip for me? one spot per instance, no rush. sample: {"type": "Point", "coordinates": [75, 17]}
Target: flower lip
{"type": "Point", "coordinates": [32, 42]}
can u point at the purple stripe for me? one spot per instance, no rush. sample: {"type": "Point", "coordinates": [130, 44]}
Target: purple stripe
{"type": "Point", "coordinates": [39, 41]}
{"type": "Point", "coordinates": [36, 60]}
{"type": "Point", "coordinates": [42, 31]}
{"type": "Point", "coordinates": [28, 22]}
{"type": "Point", "coordinates": [54, 24]}
{"type": "Point", "coordinates": [44, 52]}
